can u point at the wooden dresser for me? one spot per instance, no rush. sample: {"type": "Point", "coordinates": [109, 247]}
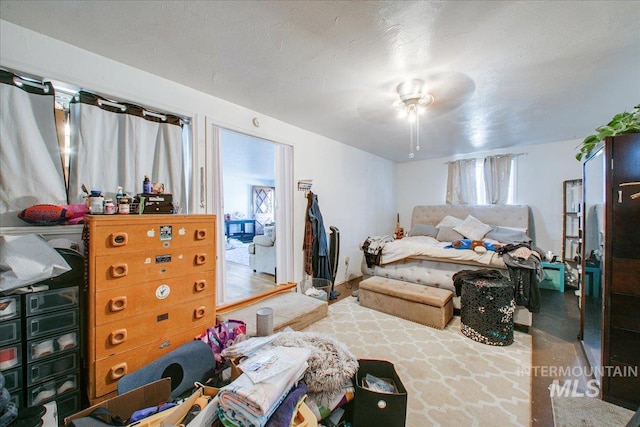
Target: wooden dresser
{"type": "Point", "coordinates": [151, 288]}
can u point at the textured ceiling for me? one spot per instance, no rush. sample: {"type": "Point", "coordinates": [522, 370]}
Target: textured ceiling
{"type": "Point", "coordinates": [503, 73]}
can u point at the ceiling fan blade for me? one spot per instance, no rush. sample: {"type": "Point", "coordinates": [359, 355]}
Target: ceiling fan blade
{"type": "Point", "coordinates": [450, 90]}
{"type": "Point", "coordinates": [377, 107]}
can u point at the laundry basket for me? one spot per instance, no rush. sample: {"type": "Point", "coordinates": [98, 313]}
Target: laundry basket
{"type": "Point", "coordinates": [316, 288]}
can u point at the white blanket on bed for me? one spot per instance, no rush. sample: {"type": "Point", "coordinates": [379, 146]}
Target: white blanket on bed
{"type": "Point", "coordinates": [428, 246]}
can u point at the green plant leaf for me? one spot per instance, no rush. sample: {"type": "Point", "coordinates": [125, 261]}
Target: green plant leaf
{"type": "Point", "coordinates": [621, 124]}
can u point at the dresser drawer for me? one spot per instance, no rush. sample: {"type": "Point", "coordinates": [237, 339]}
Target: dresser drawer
{"type": "Point", "coordinates": [118, 271]}
{"type": "Point", "coordinates": [108, 371]}
{"type": "Point", "coordinates": [115, 235]}
{"type": "Point", "coordinates": [52, 346]}
{"type": "Point", "coordinates": [53, 389]}
{"type": "Point", "coordinates": [10, 356]}
{"type": "Point", "coordinates": [143, 329]}
{"type": "Point", "coordinates": [9, 332]}
{"type": "Point", "coordinates": [46, 324]}
{"type": "Point", "coordinates": [123, 303]}
{"type": "Point", "coordinates": [68, 404]}
{"type": "Point", "coordinates": [44, 371]}
{"type": "Point", "coordinates": [9, 307]}
{"type": "Point", "coordinates": [13, 379]}
{"type": "Point", "coordinates": [48, 301]}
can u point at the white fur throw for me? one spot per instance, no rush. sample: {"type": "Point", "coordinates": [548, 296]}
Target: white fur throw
{"type": "Point", "coordinates": [330, 363]}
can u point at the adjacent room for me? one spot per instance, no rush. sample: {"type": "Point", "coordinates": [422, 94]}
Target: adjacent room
{"type": "Point", "coordinates": [319, 213]}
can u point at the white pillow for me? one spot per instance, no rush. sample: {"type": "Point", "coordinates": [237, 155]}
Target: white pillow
{"type": "Point", "coordinates": [449, 221]}
{"type": "Point", "coordinates": [472, 228]}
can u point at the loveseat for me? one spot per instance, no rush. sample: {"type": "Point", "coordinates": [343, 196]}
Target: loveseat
{"type": "Point", "coordinates": [262, 251]}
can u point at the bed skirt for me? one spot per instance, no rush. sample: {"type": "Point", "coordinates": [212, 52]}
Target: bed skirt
{"type": "Point", "coordinates": [437, 274]}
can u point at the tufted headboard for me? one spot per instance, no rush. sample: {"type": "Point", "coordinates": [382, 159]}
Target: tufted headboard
{"type": "Point", "coordinates": [503, 215]}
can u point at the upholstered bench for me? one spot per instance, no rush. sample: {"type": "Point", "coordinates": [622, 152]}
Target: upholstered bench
{"type": "Point", "coordinates": [418, 303]}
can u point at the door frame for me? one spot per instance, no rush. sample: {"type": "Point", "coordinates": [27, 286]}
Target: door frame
{"type": "Point", "coordinates": [214, 190]}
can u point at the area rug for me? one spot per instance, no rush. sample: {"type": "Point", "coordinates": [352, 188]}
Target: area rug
{"type": "Point", "coordinates": [587, 412]}
{"type": "Point", "coordinates": [450, 379]}
{"type": "Point", "coordinates": [237, 251]}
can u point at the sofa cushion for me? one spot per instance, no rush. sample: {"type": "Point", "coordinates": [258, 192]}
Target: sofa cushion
{"type": "Point", "coordinates": [263, 240]}
{"type": "Point", "coordinates": [270, 230]}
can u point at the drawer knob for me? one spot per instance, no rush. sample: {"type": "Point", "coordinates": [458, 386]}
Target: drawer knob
{"type": "Point", "coordinates": [200, 285]}
{"type": "Point", "coordinates": [382, 404]}
{"type": "Point", "coordinates": [118, 336]}
{"type": "Point", "coordinates": [119, 239]}
{"type": "Point", "coordinates": [201, 259]}
{"type": "Point", "coordinates": [118, 304]}
{"type": "Point", "coordinates": [119, 270]}
{"type": "Point", "coordinates": [201, 234]}
{"type": "Point", "coordinates": [118, 371]}
{"type": "Point", "coordinates": [199, 312]}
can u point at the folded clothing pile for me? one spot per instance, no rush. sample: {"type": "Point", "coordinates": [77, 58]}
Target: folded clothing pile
{"type": "Point", "coordinates": [331, 369]}
{"type": "Point", "coordinates": [267, 379]}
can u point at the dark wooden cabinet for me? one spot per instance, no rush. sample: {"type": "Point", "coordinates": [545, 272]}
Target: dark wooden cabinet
{"type": "Point", "coordinates": [620, 331]}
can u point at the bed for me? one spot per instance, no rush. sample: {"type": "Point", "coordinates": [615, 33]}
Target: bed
{"type": "Point", "coordinates": [435, 266]}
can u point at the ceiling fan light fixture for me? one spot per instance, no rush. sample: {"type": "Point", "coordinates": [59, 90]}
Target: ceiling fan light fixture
{"type": "Point", "coordinates": [413, 100]}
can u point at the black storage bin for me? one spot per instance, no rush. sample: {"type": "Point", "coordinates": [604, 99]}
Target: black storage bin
{"type": "Point", "coordinates": [486, 310]}
{"type": "Point", "coordinates": [373, 409]}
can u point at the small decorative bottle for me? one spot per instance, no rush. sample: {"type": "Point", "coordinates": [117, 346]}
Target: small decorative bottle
{"type": "Point", "coordinates": [109, 207]}
{"type": "Point", "coordinates": [146, 185]}
{"type": "Point", "coordinates": [96, 203]}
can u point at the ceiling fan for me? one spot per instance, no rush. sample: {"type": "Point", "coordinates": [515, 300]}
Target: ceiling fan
{"type": "Point", "coordinates": [433, 95]}
{"type": "Point", "coordinates": [438, 93]}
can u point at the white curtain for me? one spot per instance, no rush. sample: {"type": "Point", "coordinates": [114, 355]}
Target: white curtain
{"type": "Point", "coordinates": [461, 183]}
{"type": "Point", "coordinates": [497, 178]}
{"type": "Point", "coordinates": [214, 160]}
{"type": "Point", "coordinates": [114, 146]}
{"type": "Point", "coordinates": [30, 162]}
{"type": "Point", "coordinates": [284, 213]}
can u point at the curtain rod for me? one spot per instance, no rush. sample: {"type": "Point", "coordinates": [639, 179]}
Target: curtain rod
{"type": "Point", "coordinates": [156, 115]}
{"type": "Point", "coordinates": [21, 82]}
{"type": "Point", "coordinates": [102, 102]}
{"type": "Point", "coordinates": [495, 155]}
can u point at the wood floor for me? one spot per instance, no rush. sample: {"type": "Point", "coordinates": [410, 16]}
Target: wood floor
{"type": "Point", "coordinates": [243, 283]}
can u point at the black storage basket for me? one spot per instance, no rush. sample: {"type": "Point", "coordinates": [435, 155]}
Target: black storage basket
{"type": "Point", "coordinates": [373, 409]}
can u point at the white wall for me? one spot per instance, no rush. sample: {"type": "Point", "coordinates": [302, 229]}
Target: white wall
{"type": "Point", "coordinates": [540, 172]}
{"type": "Point", "coordinates": [356, 189]}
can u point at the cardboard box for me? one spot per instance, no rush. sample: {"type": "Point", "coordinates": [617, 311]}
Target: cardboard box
{"type": "Point", "coordinates": [207, 416]}
{"type": "Point", "coordinates": [126, 404]}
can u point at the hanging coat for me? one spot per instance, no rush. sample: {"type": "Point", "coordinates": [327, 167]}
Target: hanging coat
{"type": "Point", "coordinates": [307, 244]}
{"type": "Point", "coordinates": [320, 249]}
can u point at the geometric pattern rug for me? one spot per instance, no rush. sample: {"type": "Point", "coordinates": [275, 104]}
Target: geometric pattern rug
{"type": "Point", "coordinates": [450, 379]}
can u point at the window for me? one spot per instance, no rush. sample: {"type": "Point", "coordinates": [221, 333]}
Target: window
{"type": "Point", "coordinates": [487, 181]}
{"type": "Point", "coordinates": [72, 140]}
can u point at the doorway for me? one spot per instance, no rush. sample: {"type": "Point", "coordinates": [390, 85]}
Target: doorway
{"type": "Point", "coordinates": [250, 256]}
{"type": "Point", "coordinates": [256, 232]}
